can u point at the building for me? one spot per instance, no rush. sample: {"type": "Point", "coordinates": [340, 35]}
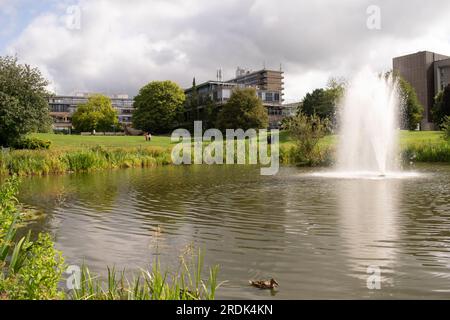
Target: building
{"type": "Point", "coordinates": [426, 72]}
{"type": "Point", "coordinates": [63, 107]}
{"type": "Point", "coordinates": [442, 74]}
{"type": "Point", "coordinates": [291, 109]}
{"type": "Point", "coordinates": [269, 87]}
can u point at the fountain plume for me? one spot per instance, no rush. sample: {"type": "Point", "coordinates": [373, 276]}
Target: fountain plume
{"type": "Point", "coordinates": [369, 125]}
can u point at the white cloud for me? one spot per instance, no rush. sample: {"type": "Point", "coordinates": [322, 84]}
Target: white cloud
{"type": "Point", "coordinates": [124, 44]}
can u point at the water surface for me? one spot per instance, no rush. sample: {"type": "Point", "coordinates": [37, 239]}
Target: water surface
{"type": "Point", "coordinates": [315, 235]}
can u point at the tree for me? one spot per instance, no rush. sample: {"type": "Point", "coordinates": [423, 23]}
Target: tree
{"type": "Point", "coordinates": [97, 114]}
{"type": "Point", "coordinates": [194, 101]}
{"type": "Point", "coordinates": [323, 102]}
{"type": "Point", "coordinates": [411, 110]}
{"type": "Point", "coordinates": [158, 106]}
{"type": "Point", "coordinates": [23, 101]}
{"type": "Point", "coordinates": [306, 131]}
{"type": "Point", "coordinates": [441, 107]}
{"type": "Point", "coordinates": [244, 110]}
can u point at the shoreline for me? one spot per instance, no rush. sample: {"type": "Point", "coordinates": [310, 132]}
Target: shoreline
{"type": "Point", "coordinates": [60, 162]}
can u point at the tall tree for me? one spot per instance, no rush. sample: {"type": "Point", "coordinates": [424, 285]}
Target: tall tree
{"type": "Point", "coordinates": [97, 114]}
{"type": "Point", "coordinates": [441, 107]}
{"type": "Point", "coordinates": [23, 101]}
{"type": "Point", "coordinates": [158, 106]}
{"type": "Point", "coordinates": [194, 101]}
{"type": "Point", "coordinates": [411, 111]}
{"type": "Point", "coordinates": [323, 102]}
{"type": "Point", "coordinates": [244, 110]}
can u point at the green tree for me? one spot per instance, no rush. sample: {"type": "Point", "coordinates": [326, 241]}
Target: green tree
{"type": "Point", "coordinates": [323, 102]}
{"type": "Point", "coordinates": [244, 110]}
{"type": "Point", "coordinates": [306, 131]}
{"type": "Point", "coordinates": [441, 107]}
{"type": "Point", "coordinates": [158, 106]}
{"type": "Point", "coordinates": [194, 101]}
{"type": "Point", "coordinates": [411, 110]}
{"type": "Point", "coordinates": [209, 116]}
{"type": "Point", "coordinates": [97, 114]}
{"type": "Point", "coordinates": [23, 101]}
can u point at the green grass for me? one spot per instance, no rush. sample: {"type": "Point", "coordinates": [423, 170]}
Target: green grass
{"type": "Point", "coordinates": [85, 153]}
{"type": "Point", "coordinates": [67, 142]}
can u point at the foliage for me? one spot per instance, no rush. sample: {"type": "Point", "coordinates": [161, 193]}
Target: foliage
{"type": "Point", "coordinates": [185, 284]}
{"type": "Point", "coordinates": [427, 152]}
{"type": "Point", "coordinates": [32, 143]}
{"type": "Point", "coordinates": [445, 126]}
{"type": "Point", "coordinates": [411, 109]}
{"type": "Point", "coordinates": [23, 101]}
{"type": "Point", "coordinates": [244, 110]}
{"type": "Point", "coordinates": [158, 107]}
{"type": "Point", "coordinates": [40, 162]}
{"type": "Point", "coordinates": [323, 102]}
{"type": "Point", "coordinates": [307, 131]}
{"type": "Point", "coordinates": [193, 101]}
{"type": "Point", "coordinates": [28, 269]}
{"type": "Point", "coordinates": [441, 107]}
{"type": "Point", "coordinates": [97, 114]}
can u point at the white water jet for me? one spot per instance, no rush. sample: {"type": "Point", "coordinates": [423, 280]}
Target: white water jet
{"type": "Point", "coordinates": [369, 125]}
{"type": "Point", "coordinates": [368, 130]}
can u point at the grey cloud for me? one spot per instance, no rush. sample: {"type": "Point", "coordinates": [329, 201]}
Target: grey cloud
{"type": "Point", "coordinates": [144, 41]}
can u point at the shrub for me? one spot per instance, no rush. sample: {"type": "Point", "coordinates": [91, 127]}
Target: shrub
{"type": "Point", "coordinates": [446, 127]}
{"type": "Point", "coordinates": [32, 144]}
{"type": "Point", "coordinates": [306, 132]}
{"type": "Point", "coordinates": [28, 270]}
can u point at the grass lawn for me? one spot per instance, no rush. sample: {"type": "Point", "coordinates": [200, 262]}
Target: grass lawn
{"type": "Point", "coordinates": [71, 142]}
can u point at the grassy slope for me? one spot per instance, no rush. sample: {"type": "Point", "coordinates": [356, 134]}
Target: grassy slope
{"type": "Point", "coordinates": [66, 142]}
{"type": "Point", "coordinates": [70, 142]}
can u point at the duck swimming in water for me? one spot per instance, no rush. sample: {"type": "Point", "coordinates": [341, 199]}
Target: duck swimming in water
{"type": "Point", "coordinates": [264, 284]}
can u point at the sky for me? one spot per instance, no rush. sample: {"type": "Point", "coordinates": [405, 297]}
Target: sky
{"type": "Point", "coordinates": [116, 46]}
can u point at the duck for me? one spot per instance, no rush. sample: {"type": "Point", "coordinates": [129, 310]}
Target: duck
{"type": "Point", "coordinates": [264, 284]}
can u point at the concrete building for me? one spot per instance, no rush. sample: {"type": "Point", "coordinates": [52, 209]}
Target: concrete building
{"type": "Point", "coordinates": [63, 107]}
{"type": "Point", "coordinates": [442, 74]}
{"type": "Point", "coordinates": [269, 86]}
{"type": "Point", "coordinates": [422, 71]}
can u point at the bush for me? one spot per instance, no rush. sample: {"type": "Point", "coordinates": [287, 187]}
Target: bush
{"type": "Point", "coordinates": [28, 269]}
{"type": "Point", "coordinates": [306, 132]}
{"type": "Point", "coordinates": [445, 127]}
{"type": "Point", "coordinates": [32, 144]}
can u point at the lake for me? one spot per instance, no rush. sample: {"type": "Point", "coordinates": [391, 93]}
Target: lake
{"type": "Point", "coordinates": [316, 236]}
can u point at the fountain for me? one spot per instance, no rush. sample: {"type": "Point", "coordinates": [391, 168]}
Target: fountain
{"type": "Point", "coordinates": [368, 122]}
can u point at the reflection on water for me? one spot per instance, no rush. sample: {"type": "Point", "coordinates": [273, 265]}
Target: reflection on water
{"type": "Point", "coordinates": [368, 225]}
{"type": "Point", "coordinates": [315, 235]}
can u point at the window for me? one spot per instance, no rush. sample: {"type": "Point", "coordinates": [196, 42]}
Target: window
{"type": "Point", "coordinates": [269, 96]}
{"type": "Point", "coordinates": [226, 93]}
{"type": "Point", "coordinates": [276, 97]}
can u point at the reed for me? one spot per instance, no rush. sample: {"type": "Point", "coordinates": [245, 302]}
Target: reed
{"type": "Point", "coordinates": [185, 284]}
{"type": "Point", "coordinates": [427, 152]}
{"type": "Point", "coordinates": [45, 162]}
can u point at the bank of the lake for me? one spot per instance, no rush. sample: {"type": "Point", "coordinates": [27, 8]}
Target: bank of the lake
{"type": "Point", "coordinates": [74, 153]}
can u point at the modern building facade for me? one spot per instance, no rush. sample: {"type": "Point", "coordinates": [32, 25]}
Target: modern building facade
{"type": "Point", "coordinates": [63, 107]}
{"type": "Point", "coordinates": [269, 87]}
{"type": "Point", "coordinates": [442, 74]}
{"type": "Point", "coordinates": [423, 71]}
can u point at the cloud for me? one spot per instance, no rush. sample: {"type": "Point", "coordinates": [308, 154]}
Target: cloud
{"type": "Point", "coordinates": [124, 44]}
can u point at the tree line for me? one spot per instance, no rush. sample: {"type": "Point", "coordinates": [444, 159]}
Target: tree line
{"type": "Point", "coordinates": [159, 106]}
